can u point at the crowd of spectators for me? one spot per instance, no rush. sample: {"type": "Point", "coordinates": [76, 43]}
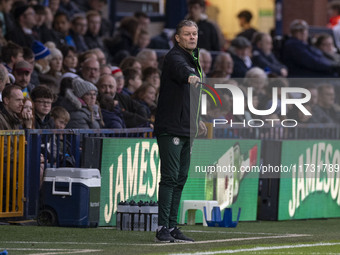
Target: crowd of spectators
{"type": "Point", "coordinates": [66, 58]}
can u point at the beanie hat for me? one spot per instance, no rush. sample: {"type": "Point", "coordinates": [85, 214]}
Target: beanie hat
{"type": "Point", "coordinates": [55, 53]}
{"type": "Point", "coordinates": [115, 69]}
{"type": "Point", "coordinates": [81, 87]}
{"type": "Point", "coordinates": [18, 11]}
{"type": "Point", "coordinates": [40, 51]}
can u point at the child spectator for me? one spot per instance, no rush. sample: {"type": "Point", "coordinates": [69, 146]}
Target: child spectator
{"type": "Point", "coordinates": [111, 111]}
{"type": "Point", "coordinates": [40, 55]}
{"type": "Point", "coordinates": [146, 96]}
{"type": "Point", "coordinates": [151, 75]}
{"type": "Point", "coordinates": [60, 117]}
{"type": "Point", "coordinates": [42, 96]}
{"type": "Point", "coordinates": [119, 77]}
{"type": "Point", "coordinates": [132, 81]}
{"type": "Point", "coordinates": [27, 113]}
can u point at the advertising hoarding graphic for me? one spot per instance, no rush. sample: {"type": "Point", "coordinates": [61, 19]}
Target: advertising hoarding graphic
{"type": "Point", "coordinates": [212, 175]}
{"type": "Point", "coordinates": [311, 189]}
{"type": "Point", "coordinates": [131, 170]}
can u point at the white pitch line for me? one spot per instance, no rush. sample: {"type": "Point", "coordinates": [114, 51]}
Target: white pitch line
{"type": "Point", "coordinates": [258, 249]}
{"type": "Point", "coordinates": [53, 251]}
{"type": "Point", "coordinates": [160, 244]}
{"type": "Point", "coordinates": [224, 232]}
{"type": "Point", "coordinates": [230, 240]}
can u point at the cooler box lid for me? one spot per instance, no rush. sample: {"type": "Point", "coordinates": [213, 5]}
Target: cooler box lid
{"type": "Point", "coordinates": [81, 173]}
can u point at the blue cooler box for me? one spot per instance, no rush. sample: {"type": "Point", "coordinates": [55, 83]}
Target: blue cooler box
{"type": "Point", "coordinates": [70, 197]}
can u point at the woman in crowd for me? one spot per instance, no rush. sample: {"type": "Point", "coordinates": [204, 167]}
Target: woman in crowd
{"type": "Point", "coordinates": [70, 59]}
{"type": "Point", "coordinates": [84, 112]}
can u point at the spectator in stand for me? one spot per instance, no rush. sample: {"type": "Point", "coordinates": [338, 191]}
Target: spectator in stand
{"type": "Point", "coordinates": [4, 79]}
{"type": "Point", "coordinates": [133, 81]}
{"type": "Point", "coordinates": [143, 19]}
{"type": "Point", "coordinates": [257, 79]}
{"type": "Point", "coordinates": [240, 52]}
{"type": "Point", "coordinates": [302, 59]}
{"type": "Point", "coordinates": [119, 77]}
{"type": "Point", "coordinates": [106, 28]}
{"type": "Point", "coordinates": [27, 114]}
{"type": "Point", "coordinates": [205, 61]}
{"type": "Point", "coordinates": [105, 69]}
{"type": "Point", "coordinates": [22, 72]}
{"type": "Point", "coordinates": [263, 56]}
{"type": "Point", "coordinates": [314, 95]}
{"type": "Point", "coordinates": [54, 6]}
{"type": "Point", "coordinates": [152, 75]}
{"type": "Point", "coordinates": [84, 112]}
{"type": "Point", "coordinates": [112, 114]}
{"type": "Point", "coordinates": [41, 52]}
{"type": "Point", "coordinates": [131, 62]}
{"type": "Point", "coordinates": [5, 17]}
{"type": "Point", "coordinates": [13, 101]}
{"type": "Point", "coordinates": [90, 70]}
{"type": "Point", "coordinates": [325, 43]}
{"type": "Point", "coordinates": [100, 55]}
{"type": "Point", "coordinates": [45, 33]}
{"type": "Point", "coordinates": [165, 40]}
{"type": "Point", "coordinates": [22, 32]}
{"type": "Point", "coordinates": [143, 40]}
{"type": "Point", "coordinates": [42, 98]}
{"type": "Point", "coordinates": [208, 37]}
{"type": "Point", "coordinates": [147, 58]}
{"type": "Point", "coordinates": [146, 96]}
{"type": "Point", "coordinates": [68, 7]}
{"type": "Point", "coordinates": [244, 18]}
{"type": "Point", "coordinates": [61, 24]}
{"type": "Point", "coordinates": [223, 64]}
{"type": "Point", "coordinates": [326, 111]}
{"type": "Point", "coordinates": [55, 60]}
{"type": "Point", "coordinates": [333, 13]}
{"type": "Point", "coordinates": [78, 31]}
{"type": "Point", "coordinates": [70, 59]}
{"type": "Point", "coordinates": [125, 38]}
{"type": "Point", "coordinates": [29, 57]}
{"type": "Point", "coordinates": [92, 37]}
{"type": "Point", "coordinates": [134, 114]}
{"type": "Point", "coordinates": [11, 54]}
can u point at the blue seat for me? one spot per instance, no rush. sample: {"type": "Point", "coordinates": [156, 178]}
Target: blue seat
{"type": "Point", "coordinates": [217, 221]}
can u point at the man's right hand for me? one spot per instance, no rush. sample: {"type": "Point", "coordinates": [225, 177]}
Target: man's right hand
{"type": "Point", "coordinates": [194, 80]}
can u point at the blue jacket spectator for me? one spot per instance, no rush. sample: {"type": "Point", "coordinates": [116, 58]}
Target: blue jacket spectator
{"type": "Point", "coordinates": [263, 56]}
{"type": "Point", "coordinates": [302, 59]}
{"type": "Point", "coordinates": [111, 112]}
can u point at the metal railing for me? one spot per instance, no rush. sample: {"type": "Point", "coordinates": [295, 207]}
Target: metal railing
{"type": "Point", "coordinates": [12, 158]}
{"type": "Point", "coordinates": [60, 148]}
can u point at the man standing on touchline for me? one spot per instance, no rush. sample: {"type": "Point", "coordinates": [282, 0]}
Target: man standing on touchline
{"type": "Point", "coordinates": [177, 123]}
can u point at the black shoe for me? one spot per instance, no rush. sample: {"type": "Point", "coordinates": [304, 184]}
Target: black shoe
{"type": "Point", "coordinates": [178, 235]}
{"type": "Point", "coordinates": [163, 236]}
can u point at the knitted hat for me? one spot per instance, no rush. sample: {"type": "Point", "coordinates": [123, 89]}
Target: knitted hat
{"type": "Point", "coordinates": [81, 87]}
{"type": "Point", "coordinates": [22, 66]}
{"type": "Point", "coordinates": [115, 69]}
{"type": "Point", "coordinates": [40, 51]}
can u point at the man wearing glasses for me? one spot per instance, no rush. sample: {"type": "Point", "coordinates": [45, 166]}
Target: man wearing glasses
{"type": "Point", "coordinates": [42, 97]}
